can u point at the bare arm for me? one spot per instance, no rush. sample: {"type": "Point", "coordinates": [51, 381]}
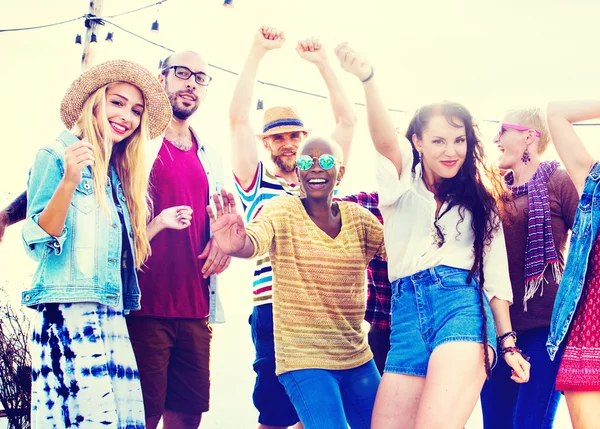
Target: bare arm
{"type": "Point", "coordinates": [381, 127]}
{"type": "Point", "coordinates": [570, 148]}
{"type": "Point", "coordinates": [13, 213]}
{"type": "Point", "coordinates": [244, 155]}
{"type": "Point", "coordinates": [177, 217]}
{"type": "Point", "coordinates": [345, 117]}
{"type": "Point", "coordinates": [520, 366]}
{"type": "Point", "coordinates": [228, 227]}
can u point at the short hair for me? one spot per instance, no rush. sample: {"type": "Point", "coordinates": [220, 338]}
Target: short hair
{"type": "Point", "coordinates": [533, 117]}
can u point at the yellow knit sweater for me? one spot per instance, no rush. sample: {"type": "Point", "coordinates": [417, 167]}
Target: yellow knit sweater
{"type": "Point", "coordinates": [318, 283]}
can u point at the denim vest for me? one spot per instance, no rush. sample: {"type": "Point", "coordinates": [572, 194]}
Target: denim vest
{"type": "Point", "coordinates": [211, 161]}
{"type": "Point", "coordinates": [583, 234]}
{"type": "Point", "coordinates": [83, 264]}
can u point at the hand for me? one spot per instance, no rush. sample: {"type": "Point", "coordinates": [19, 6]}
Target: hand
{"type": "Point", "coordinates": [77, 157]}
{"type": "Point", "coordinates": [269, 38]}
{"type": "Point", "coordinates": [353, 62]}
{"type": "Point", "coordinates": [311, 50]}
{"type": "Point", "coordinates": [226, 225]}
{"type": "Point", "coordinates": [520, 367]}
{"type": "Point", "coordinates": [177, 217]}
{"type": "Point", "coordinates": [216, 260]}
{"type": "Point", "coordinates": [4, 222]}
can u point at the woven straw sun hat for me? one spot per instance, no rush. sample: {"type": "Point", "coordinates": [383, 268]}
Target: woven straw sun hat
{"type": "Point", "coordinates": [278, 120]}
{"type": "Point", "coordinates": [157, 103]}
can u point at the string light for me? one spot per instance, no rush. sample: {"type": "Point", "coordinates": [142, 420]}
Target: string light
{"type": "Point", "coordinates": [93, 39]}
{"type": "Point", "coordinates": [154, 28]}
{"type": "Point", "coordinates": [109, 36]}
{"type": "Point", "coordinates": [78, 39]}
{"type": "Point", "coordinates": [228, 3]}
{"type": "Point", "coordinates": [259, 105]}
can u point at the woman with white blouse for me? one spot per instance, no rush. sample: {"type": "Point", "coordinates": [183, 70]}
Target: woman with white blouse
{"type": "Point", "coordinates": [447, 262]}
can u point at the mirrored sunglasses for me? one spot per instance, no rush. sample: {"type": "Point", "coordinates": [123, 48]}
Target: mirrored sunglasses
{"type": "Point", "coordinates": [305, 162]}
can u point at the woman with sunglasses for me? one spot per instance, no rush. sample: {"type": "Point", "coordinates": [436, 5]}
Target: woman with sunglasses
{"type": "Point", "coordinates": [536, 226]}
{"type": "Point", "coordinates": [319, 250]}
{"type": "Point", "coordinates": [446, 261]}
{"type": "Point", "coordinates": [575, 323]}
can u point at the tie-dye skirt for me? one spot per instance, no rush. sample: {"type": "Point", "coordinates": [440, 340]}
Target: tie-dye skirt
{"type": "Point", "coordinates": [84, 373]}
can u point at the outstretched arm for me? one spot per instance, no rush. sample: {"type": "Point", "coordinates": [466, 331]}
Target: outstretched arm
{"type": "Point", "coordinates": [313, 51]}
{"type": "Point", "coordinates": [13, 213]}
{"type": "Point", "coordinates": [244, 155]}
{"type": "Point", "coordinates": [570, 148]}
{"type": "Point", "coordinates": [228, 227]}
{"type": "Point", "coordinates": [381, 126]}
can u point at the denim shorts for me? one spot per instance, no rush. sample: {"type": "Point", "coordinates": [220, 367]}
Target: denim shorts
{"type": "Point", "coordinates": [430, 308]}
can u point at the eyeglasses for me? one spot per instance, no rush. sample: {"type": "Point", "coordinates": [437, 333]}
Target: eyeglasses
{"type": "Point", "coordinates": [184, 73]}
{"type": "Point", "coordinates": [305, 162]}
{"type": "Point", "coordinates": [505, 127]}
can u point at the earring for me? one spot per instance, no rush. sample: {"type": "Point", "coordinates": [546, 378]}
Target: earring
{"type": "Point", "coordinates": [420, 156]}
{"type": "Point", "coordinates": [526, 158]}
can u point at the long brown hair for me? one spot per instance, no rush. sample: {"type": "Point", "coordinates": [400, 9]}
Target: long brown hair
{"type": "Point", "coordinates": [476, 188]}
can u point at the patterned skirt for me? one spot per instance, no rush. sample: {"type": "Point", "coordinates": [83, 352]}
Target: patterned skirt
{"type": "Point", "coordinates": [580, 366]}
{"type": "Point", "coordinates": [84, 373]}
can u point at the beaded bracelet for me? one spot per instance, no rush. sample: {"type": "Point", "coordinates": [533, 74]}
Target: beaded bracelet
{"type": "Point", "coordinates": [512, 351]}
{"type": "Point", "coordinates": [502, 337]}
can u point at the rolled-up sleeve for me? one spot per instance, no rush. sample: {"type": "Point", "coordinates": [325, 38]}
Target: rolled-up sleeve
{"type": "Point", "coordinates": [495, 268]}
{"type": "Point", "coordinates": [44, 177]}
{"type": "Point", "coordinates": [389, 186]}
{"type": "Point", "coordinates": [261, 231]}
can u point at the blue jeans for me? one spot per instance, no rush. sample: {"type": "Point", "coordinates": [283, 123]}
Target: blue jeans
{"type": "Point", "coordinates": [327, 399]}
{"type": "Point", "coordinates": [269, 397]}
{"type": "Point", "coordinates": [506, 404]}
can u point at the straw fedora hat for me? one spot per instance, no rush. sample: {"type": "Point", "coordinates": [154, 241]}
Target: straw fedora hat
{"type": "Point", "coordinates": [278, 120]}
{"type": "Point", "coordinates": [157, 103]}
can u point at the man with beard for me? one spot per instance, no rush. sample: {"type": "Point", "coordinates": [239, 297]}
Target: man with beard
{"type": "Point", "coordinates": [282, 132]}
{"type": "Point", "coordinates": [171, 334]}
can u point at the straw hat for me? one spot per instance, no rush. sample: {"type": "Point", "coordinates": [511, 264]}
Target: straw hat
{"type": "Point", "coordinates": [157, 103]}
{"type": "Point", "coordinates": [278, 120]}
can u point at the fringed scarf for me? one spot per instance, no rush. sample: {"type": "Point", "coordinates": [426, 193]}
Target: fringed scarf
{"type": "Point", "coordinates": [539, 250]}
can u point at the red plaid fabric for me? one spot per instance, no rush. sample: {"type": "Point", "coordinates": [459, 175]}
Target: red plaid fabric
{"type": "Point", "coordinates": [379, 290]}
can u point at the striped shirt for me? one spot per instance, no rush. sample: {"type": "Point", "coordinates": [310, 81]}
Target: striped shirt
{"type": "Point", "coordinates": [264, 187]}
{"type": "Point", "coordinates": [319, 286]}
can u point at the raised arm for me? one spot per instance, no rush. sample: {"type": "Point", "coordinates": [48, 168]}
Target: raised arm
{"type": "Point", "coordinates": [244, 155]}
{"type": "Point", "coordinates": [13, 213]}
{"type": "Point", "coordinates": [228, 227]}
{"type": "Point", "coordinates": [345, 117]}
{"type": "Point", "coordinates": [570, 148]}
{"type": "Point", "coordinates": [382, 129]}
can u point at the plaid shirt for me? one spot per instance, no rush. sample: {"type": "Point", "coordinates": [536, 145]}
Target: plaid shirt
{"type": "Point", "coordinates": [379, 290]}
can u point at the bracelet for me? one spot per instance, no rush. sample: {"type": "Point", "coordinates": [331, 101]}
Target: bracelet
{"type": "Point", "coordinates": [368, 78]}
{"type": "Point", "coordinates": [502, 337]}
{"type": "Point", "coordinates": [512, 351]}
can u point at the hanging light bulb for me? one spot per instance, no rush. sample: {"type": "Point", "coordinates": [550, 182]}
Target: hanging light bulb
{"type": "Point", "coordinates": [154, 28]}
{"type": "Point", "coordinates": [78, 39]}
{"type": "Point", "coordinates": [93, 39]}
{"type": "Point", "coordinates": [109, 37]}
{"type": "Point", "coordinates": [228, 3]}
{"type": "Point", "coordinates": [259, 105]}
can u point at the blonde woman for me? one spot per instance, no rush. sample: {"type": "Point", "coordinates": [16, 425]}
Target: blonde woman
{"type": "Point", "coordinates": [86, 225]}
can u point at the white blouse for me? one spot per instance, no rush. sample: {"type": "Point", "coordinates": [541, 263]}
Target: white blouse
{"type": "Point", "coordinates": [411, 239]}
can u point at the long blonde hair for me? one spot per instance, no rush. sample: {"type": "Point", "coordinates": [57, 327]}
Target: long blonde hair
{"type": "Point", "coordinates": [129, 161]}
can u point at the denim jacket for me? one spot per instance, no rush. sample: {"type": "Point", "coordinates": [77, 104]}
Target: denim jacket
{"type": "Point", "coordinates": [211, 161]}
{"type": "Point", "coordinates": [83, 264]}
{"type": "Point", "coordinates": [585, 229]}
